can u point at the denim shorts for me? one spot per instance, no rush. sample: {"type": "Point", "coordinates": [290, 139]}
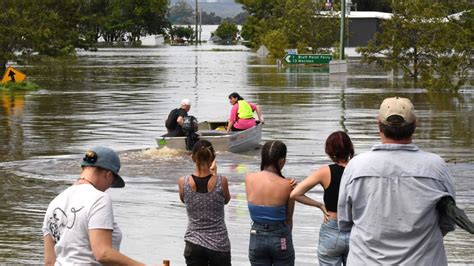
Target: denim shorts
{"type": "Point", "coordinates": [271, 244]}
{"type": "Point", "coordinates": [333, 244]}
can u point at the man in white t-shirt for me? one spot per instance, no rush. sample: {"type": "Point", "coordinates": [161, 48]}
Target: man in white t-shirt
{"type": "Point", "coordinates": [79, 226]}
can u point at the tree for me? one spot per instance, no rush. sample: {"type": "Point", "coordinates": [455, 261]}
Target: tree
{"type": "Point", "coordinates": [42, 27]}
{"type": "Point", "coordinates": [300, 22]}
{"type": "Point", "coordinates": [305, 26]}
{"type": "Point", "coordinates": [431, 48]}
{"type": "Point", "coordinates": [114, 26]}
{"type": "Point", "coordinates": [227, 31]}
{"type": "Point", "coordinates": [276, 42]}
{"type": "Point", "coordinates": [179, 33]}
{"type": "Point", "coordinates": [239, 19]}
{"type": "Point", "coordinates": [210, 19]}
{"type": "Point", "coordinates": [56, 28]}
{"type": "Point", "coordinates": [94, 17]}
{"type": "Point", "coordinates": [144, 17]}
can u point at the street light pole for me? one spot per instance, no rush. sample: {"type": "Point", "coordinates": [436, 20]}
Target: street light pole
{"type": "Point", "coordinates": [197, 17]}
{"type": "Point", "coordinates": [343, 29]}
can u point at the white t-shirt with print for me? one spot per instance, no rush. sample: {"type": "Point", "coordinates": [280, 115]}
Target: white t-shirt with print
{"type": "Point", "coordinates": [69, 218]}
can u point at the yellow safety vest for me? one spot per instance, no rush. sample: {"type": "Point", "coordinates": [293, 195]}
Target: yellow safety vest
{"type": "Point", "coordinates": [245, 110]}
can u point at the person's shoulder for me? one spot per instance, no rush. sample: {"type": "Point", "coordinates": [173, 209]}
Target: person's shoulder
{"type": "Point", "coordinates": [323, 169]}
{"type": "Point", "coordinates": [434, 160]}
{"type": "Point", "coordinates": [181, 180]}
{"type": "Point", "coordinates": [97, 195]}
{"type": "Point", "coordinates": [431, 156]}
{"type": "Point", "coordinates": [253, 177]}
{"type": "Point", "coordinates": [250, 176]}
{"type": "Point", "coordinates": [174, 110]}
{"type": "Point", "coordinates": [182, 112]}
{"type": "Point", "coordinates": [360, 163]}
{"type": "Point", "coordinates": [363, 157]}
{"type": "Point", "coordinates": [86, 194]}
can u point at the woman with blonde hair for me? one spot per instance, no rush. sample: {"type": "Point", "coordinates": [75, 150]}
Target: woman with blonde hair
{"type": "Point", "coordinates": [204, 193]}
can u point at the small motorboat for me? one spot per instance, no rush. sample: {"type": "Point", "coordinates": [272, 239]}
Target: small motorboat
{"type": "Point", "coordinates": [215, 132]}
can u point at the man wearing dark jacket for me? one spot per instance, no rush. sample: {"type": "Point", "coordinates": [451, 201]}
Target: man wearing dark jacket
{"type": "Point", "coordinates": [175, 119]}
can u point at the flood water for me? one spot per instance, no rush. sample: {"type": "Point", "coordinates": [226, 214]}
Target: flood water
{"type": "Point", "coordinates": [120, 98]}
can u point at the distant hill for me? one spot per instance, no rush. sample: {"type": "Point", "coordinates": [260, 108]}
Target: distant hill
{"type": "Point", "coordinates": [222, 8]}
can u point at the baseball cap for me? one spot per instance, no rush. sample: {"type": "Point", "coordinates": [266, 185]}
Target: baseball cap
{"type": "Point", "coordinates": [397, 106]}
{"type": "Point", "coordinates": [107, 159]}
{"type": "Point", "coordinates": [186, 102]}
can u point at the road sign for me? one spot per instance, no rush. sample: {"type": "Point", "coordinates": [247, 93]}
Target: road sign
{"type": "Point", "coordinates": [291, 51]}
{"type": "Point", "coordinates": [308, 58]}
{"type": "Point", "coordinates": [13, 75]}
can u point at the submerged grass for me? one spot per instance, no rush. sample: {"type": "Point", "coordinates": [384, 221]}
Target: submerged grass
{"type": "Point", "coordinates": [24, 86]}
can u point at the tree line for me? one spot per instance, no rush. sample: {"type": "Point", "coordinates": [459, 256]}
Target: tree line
{"type": "Point", "coordinates": [57, 28]}
{"type": "Point", "coordinates": [422, 41]}
{"type": "Point", "coordinates": [282, 24]}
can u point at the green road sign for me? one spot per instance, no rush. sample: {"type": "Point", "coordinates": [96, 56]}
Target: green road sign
{"type": "Point", "coordinates": [307, 58]}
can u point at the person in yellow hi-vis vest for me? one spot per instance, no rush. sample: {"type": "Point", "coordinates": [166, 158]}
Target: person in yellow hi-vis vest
{"type": "Point", "coordinates": [241, 115]}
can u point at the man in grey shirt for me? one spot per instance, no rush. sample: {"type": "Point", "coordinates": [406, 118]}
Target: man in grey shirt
{"type": "Point", "coordinates": [388, 196]}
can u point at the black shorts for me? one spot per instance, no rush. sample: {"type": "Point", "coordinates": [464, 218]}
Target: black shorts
{"type": "Point", "coordinates": [197, 255]}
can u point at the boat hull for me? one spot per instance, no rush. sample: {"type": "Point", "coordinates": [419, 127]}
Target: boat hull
{"type": "Point", "coordinates": [238, 141]}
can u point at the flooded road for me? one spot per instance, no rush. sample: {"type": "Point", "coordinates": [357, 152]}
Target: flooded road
{"type": "Point", "coordinates": [120, 98]}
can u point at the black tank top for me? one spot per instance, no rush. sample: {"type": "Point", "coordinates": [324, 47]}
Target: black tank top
{"type": "Point", "coordinates": [201, 183]}
{"type": "Point", "coordinates": [331, 193]}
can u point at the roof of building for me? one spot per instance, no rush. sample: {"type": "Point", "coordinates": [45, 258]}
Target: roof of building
{"type": "Point", "coordinates": [380, 15]}
{"type": "Point", "coordinates": [361, 14]}
{"type": "Point", "coordinates": [370, 14]}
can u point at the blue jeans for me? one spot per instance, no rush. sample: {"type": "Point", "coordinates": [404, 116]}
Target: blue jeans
{"type": "Point", "coordinates": [333, 244]}
{"type": "Point", "coordinates": [271, 244]}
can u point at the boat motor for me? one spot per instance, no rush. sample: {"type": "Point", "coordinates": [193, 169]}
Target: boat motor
{"type": "Point", "coordinates": [190, 127]}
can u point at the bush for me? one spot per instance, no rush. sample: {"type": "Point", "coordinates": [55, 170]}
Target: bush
{"type": "Point", "coordinates": [227, 31]}
{"type": "Point", "coordinates": [26, 86]}
{"type": "Point", "coordinates": [276, 42]}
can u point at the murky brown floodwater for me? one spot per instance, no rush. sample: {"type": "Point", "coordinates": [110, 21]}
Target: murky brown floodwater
{"type": "Point", "coordinates": [121, 97]}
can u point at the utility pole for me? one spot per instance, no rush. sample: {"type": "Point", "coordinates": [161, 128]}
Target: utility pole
{"type": "Point", "coordinates": [197, 18]}
{"type": "Point", "coordinates": [343, 29]}
{"type": "Point", "coordinates": [200, 25]}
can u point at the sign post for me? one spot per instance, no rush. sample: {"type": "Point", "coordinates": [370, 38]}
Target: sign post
{"type": "Point", "coordinates": [342, 35]}
{"type": "Point", "coordinates": [315, 59]}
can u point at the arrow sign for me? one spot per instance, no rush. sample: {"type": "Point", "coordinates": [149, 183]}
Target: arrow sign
{"type": "Point", "coordinates": [13, 75]}
{"type": "Point", "coordinates": [316, 59]}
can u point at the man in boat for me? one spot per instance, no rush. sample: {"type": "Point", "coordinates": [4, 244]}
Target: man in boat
{"type": "Point", "coordinates": [174, 123]}
{"type": "Point", "coordinates": [388, 196]}
{"type": "Point", "coordinates": [241, 115]}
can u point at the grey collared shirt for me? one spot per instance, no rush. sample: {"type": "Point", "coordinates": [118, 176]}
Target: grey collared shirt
{"type": "Point", "coordinates": [387, 199]}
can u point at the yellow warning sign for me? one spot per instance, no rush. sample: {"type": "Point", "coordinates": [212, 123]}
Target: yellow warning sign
{"type": "Point", "coordinates": [13, 75]}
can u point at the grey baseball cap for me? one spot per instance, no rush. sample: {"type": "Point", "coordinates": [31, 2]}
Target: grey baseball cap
{"type": "Point", "coordinates": [107, 159]}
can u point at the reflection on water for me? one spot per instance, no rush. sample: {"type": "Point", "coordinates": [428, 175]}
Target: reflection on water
{"type": "Point", "coordinates": [13, 104]}
{"type": "Point", "coordinates": [121, 97]}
